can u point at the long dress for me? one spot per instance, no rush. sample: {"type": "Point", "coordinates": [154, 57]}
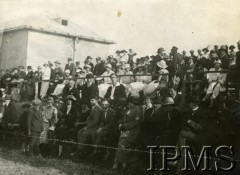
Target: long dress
{"type": "Point", "coordinates": [49, 120]}
{"type": "Point", "coordinates": [129, 134]}
{"type": "Point", "coordinates": [45, 84]}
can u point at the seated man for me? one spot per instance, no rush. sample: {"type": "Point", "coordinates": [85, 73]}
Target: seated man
{"type": "Point", "coordinates": [86, 134]}
{"type": "Point", "coordinates": [104, 132]}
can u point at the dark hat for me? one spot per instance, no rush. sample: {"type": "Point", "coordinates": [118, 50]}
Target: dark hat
{"type": "Point", "coordinates": [26, 105]}
{"type": "Point", "coordinates": [29, 67]}
{"type": "Point", "coordinates": [69, 59]}
{"type": "Point", "coordinates": [50, 99]}
{"type": "Point", "coordinates": [77, 62]}
{"type": "Point", "coordinates": [161, 49]}
{"type": "Point", "coordinates": [122, 101]}
{"type": "Point", "coordinates": [57, 62]}
{"type": "Point", "coordinates": [88, 76]}
{"type": "Point", "coordinates": [50, 63]}
{"type": "Point", "coordinates": [174, 48]}
{"type": "Point", "coordinates": [232, 47]}
{"type": "Point", "coordinates": [123, 51]}
{"type": "Point", "coordinates": [88, 57]}
{"type": "Point", "coordinates": [206, 49]}
{"type": "Point", "coordinates": [98, 58]}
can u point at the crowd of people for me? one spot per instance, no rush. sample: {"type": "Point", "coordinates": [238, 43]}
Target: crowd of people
{"type": "Point", "coordinates": [124, 101]}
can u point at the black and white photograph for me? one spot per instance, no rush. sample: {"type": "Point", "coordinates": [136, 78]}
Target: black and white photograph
{"type": "Point", "coordinates": [119, 87]}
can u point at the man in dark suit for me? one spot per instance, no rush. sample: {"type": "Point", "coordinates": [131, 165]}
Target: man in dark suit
{"type": "Point", "coordinates": [58, 69]}
{"type": "Point", "coordinates": [116, 93]}
{"type": "Point", "coordinates": [70, 89]}
{"type": "Point", "coordinates": [99, 68]}
{"type": "Point", "coordinates": [70, 66]}
{"type": "Point", "coordinates": [89, 90]}
{"type": "Point", "coordinates": [105, 131]}
{"type": "Point", "coordinates": [178, 99]}
{"type": "Point", "coordinates": [87, 134]}
{"type": "Point", "coordinates": [10, 117]}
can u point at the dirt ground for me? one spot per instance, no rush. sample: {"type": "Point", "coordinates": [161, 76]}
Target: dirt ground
{"type": "Point", "coordinates": [8, 167]}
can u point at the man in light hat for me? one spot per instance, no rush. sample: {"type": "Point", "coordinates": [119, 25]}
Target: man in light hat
{"type": "Point", "coordinates": [99, 67]}
{"type": "Point", "coordinates": [107, 73]}
{"type": "Point", "coordinates": [35, 127]}
{"type": "Point", "coordinates": [70, 66]}
{"type": "Point", "coordinates": [58, 69]}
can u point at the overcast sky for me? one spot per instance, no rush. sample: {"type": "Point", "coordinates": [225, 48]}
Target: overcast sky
{"type": "Point", "coordinates": [143, 25]}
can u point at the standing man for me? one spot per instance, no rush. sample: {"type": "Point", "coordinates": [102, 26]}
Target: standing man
{"type": "Point", "coordinates": [89, 90]}
{"type": "Point", "coordinates": [88, 61]}
{"type": "Point", "coordinates": [99, 67]}
{"type": "Point", "coordinates": [30, 84]}
{"type": "Point", "coordinates": [58, 69]}
{"type": "Point", "coordinates": [70, 66]}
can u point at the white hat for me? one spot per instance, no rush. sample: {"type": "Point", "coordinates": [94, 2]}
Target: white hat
{"type": "Point", "coordinates": [109, 66]}
{"type": "Point", "coordinates": [126, 66]}
{"type": "Point", "coordinates": [238, 42]}
{"type": "Point", "coordinates": [87, 66]}
{"type": "Point", "coordinates": [162, 64]}
{"type": "Point", "coordinates": [78, 70]}
{"type": "Point", "coordinates": [218, 61]}
{"type": "Point", "coordinates": [67, 71]}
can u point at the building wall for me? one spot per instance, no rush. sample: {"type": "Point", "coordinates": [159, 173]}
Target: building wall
{"type": "Point", "coordinates": [46, 47]}
{"type": "Point", "coordinates": [13, 50]}
{"type": "Point", "coordinates": [93, 49]}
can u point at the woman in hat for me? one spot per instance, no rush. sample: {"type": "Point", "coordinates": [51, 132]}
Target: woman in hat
{"type": "Point", "coordinates": [216, 82]}
{"type": "Point", "coordinates": [45, 84]}
{"type": "Point", "coordinates": [163, 79]}
{"type": "Point", "coordinates": [49, 119]}
{"type": "Point", "coordinates": [65, 126]}
{"type": "Point", "coordinates": [107, 73]}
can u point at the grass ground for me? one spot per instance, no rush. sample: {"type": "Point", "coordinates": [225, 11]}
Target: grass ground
{"type": "Point", "coordinates": [12, 162]}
